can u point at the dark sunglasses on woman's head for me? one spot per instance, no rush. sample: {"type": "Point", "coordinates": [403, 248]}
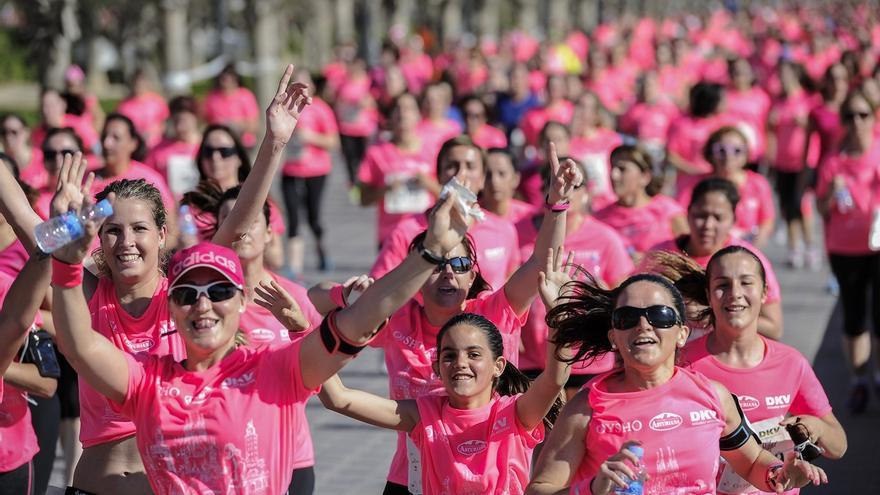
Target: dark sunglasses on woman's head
{"type": "Point", "coordinates": [854, 115]}
{"type": "Point", "coordinates": [460, 264]}
{"type": "Point", "coordinates": [721, 150]}
{"type": "Point", "coordinates": [52, 155]}
{"type": "Point", "coordinates": [225, 151]}
{"type": "Point", "coordinates": [188, 294]}
{"type": "Point", "coordinates": [659, 316]}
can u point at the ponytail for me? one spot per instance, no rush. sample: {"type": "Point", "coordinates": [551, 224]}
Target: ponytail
{"type": "Point", "coordinates": [512, 381]}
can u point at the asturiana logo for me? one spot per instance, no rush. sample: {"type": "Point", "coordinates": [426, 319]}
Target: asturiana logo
{"type": "Point", "coordinates": [471, 447]}
{"type": "Point", "coordinates": [748, 403]}
{"type": "Point", "coordinates": [262, 335]}
{"type": "Point", "coordinates": [665, 421]}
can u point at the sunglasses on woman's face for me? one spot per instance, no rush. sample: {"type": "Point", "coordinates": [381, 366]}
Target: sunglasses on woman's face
{"type": "Point", "coordinates": [659, 316]}
{"type": "Point", "coordinates": [724, 150]}
{"type": "Point", "coordinates": [52, 155]}
{"type": "Point", "coordinates": [856, 115]}
{"type": "Point", "coordinates": [225, 151]}
{"type": "Point", "coordinates": [188, 294]}
{"type": "Point", "coordinates": [460, 264]}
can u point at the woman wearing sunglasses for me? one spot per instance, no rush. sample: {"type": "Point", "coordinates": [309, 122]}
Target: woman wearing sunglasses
{"type": "Point", "coordinates": [775, 384]}
{"type": "Point", "coordinates": [711, 216]}
{"type": "Point", "coordinates": [727, 150]}
{"type": "Point", "coordinates": [681, 420]}
{"type": "Point", "coordinates": [15, 138]}
{"type": "Point", "coordinates": [848, 192]}
{"type": "Point", "coordinates": [456, 286]}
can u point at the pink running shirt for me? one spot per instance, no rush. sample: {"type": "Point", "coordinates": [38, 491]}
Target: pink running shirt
{"type": "Point", "coordinates": [679, 424]}
{"type": "Point", "coordinates": [152, 333]}
{"type": "Point", "coordinates": [229, 109]}
{"type": "Point", "coordinates": [137, 170]}
{"type": "Point", "coordinates": [783, 383]}
{"type": "Point", "coordinates": [228, 429]}
{"type": "Point", "coordinates": [34, 173]}
{"type": "Point", "coordinates": [410, 344]}
{"type": "Point", "coordinates": [686, 138]}
{"type": "Point", "coordinates": [649, 123]}
{"type": "Point", "coordinates": [148, 113]}
{"type": "Point", "coordinates": [176, 162]}
{"type": "Point", "coordinates": [533, 120]}
{"type": "Point", "coordinates": [788, 119]}
{"type": "Point", "coordinates": [308, 160]}
{"type": "Point", "coordinates": [385, 163]}
{"type": "Point", "coordinates": [645, 226]}
{"type": "Point", "coordinates": [12, 259]}
{"type": "Point", "coordinates": [495, 240]}
{"type": "Point", "coordinates": [751, 108]}
{"type": "Point", "coordinates": [433, 134]}
{"type": "Point", "coordinates": [353, 118]}
{"type": "Point", "coordinates": [594, 152]}
{"type": "Point", "coordinates": [488, 137]}
{"type": "Point", "coordinates": [474, 451]}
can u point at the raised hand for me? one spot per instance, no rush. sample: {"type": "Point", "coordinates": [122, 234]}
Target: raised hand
{"type": "Point", "coordinates": [447, 226]}
{"type": "Point", "coordinates": [281, 304]}
{"type": "Point", "coordinates": [564, 178]}
{"type": "Point", "coordinates": [555, 275]}
{"type": "Point", "coordinates": [799, 473]}
{"type": "Point", "coordinates": [74, 195]}
{"type": "Point", "coordinates": [613, 471]}
{"type": "Point", "coordinates": [288, 104]}
{"type": "Point", "coordinates": [355, 286]}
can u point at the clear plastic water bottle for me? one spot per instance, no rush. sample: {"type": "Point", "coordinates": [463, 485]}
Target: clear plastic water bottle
{"type": "Point", "coordinates": [637, 485]}
{"type": "Point", "coordinates": [59, 231]}
{"type": "Point", "coordinates": [186, 221]}
{"type": "Point", "coordinates": [844, 200]}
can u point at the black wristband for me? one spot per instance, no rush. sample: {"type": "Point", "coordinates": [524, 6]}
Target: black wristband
{"type": "Point", "coordinates": [429, 256]}
{"type": "Point", "coordinates": [333, 342]}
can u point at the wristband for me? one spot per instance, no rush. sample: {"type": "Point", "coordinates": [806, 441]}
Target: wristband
{"type": "Point", "coordinates": [429, 256]}
{"type": "Point", "coordinates": [65, 275]}
{"type": "Point", "coordinates": [771, 480]}
{"type": "Point", "coordinates": [337, 296]}
{"type": "Point", "coordinates": [556, 207]}
{"type": "Point", "coordinates": [334, 341]}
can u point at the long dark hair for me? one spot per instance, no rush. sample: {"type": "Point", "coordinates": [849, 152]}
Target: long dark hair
{"type": "Point", "coordinates": [512, 381]}
{"type": "Point", "coordinates": [140, 152]}
{"type": "Point", "coordinates": [480, 284]}
{"type": "Point", "coordinates": [208, 198]}
{"type": "Point", "coordinates": [243, 170]}
{"type": "Point", "coordinates": [582, 317]}
{"type": "Point", "coordinates": [638, 156]}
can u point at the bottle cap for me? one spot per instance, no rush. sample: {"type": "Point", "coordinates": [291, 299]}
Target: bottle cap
{"type": "Point", "coordinates": [637, 450]}
{"type": "Point", "coordinates": [104, 208]}
{"type": "Point", "coordinates": [184, 209]}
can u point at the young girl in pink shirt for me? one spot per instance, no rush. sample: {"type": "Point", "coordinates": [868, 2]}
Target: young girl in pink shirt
{"type": "Point", "coordinates": [681, 420]}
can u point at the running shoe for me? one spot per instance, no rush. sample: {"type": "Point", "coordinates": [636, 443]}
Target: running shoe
{"type": "Point", "coordinates": [796, 258]}
{"type": "Point", "coordinates": [814, 259]}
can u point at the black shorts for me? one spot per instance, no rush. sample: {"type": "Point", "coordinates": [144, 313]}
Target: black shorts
{"type": "Point", "coordinates": [68, 389]}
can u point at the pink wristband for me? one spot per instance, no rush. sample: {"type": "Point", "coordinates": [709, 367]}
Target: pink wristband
{"type": "Point", "coordinates": [65, 275]}
{"type": "Point", "coordinates": [337, 296]}
{"type": "Point", "coordinates": [556, 207]}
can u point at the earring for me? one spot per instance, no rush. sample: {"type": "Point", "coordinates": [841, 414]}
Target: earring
{"type": "Point", "coordinates": [613, 347]}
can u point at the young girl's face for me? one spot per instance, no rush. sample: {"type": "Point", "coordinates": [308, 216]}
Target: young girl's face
{"type": "Point", "coordinates": [466, 364]}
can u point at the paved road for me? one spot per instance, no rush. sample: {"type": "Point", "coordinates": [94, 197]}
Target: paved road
{"type": "Point", "coordinates": [353, 458]}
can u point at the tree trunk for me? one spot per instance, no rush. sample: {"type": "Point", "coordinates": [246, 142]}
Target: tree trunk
{"type": "Point", "coordinates": [528, 16]}
{"type": "Point", "coordinates": [176, 46]}
{"type": "Point", "coordinates": [61, 47]}
{"type": "Point", "coordinates": [344, 13]}
{"type": "Point", "coordinates": [489, 17]}
{"type": "Point", "coordinates": [266, 49]}
{"type": "Point", "coordinates": [558, 19]}
{"type": "Point", "coordinates": [318, 48]}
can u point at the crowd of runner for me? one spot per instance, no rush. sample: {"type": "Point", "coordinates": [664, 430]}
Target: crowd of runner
{"type": "Point", "coordinates": [569, 289]}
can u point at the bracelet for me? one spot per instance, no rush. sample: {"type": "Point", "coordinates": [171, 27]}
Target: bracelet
{"type": "Point", "coordinates": [429, 256]}
{"type": "Point", "coordinates": [65, 275]}
{"type": "Point", "coordinates": [771, 480]}
{"type": "Point", "coordinates": [556, 207]}
{"type": "Point", "coordinates": [338, 296]}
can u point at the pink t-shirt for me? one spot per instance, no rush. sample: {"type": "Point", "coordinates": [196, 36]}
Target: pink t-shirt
{"type": "Point", "coordinates": [308, 160]}
{"type": "Point", "coordinates": [594, 152]}
{"type": "Point", "coordinates": [649, 123]}
{"type": "Point", "coordinates": [598, 249]}
{"type": "Point", "coordinates": [828, 128]}
{"type": "Point", "coordinates": [13, 258]}
{"type": "Point", "coordinates": [206, 222]}
{"type": "Point", "coordinates": [847, 232]}
{"type": "Point", "coordinates": [137, 170]}
{"type": "Point", "coordinates": [152, 333]}
{"type": "Point", "coordinates": [774, 293]}
{"type": "Point", "coordinates": [644, 226]}
{"type": "Point", "coordinates": [410, 344]}
{"type": "Point", "coordinates": [434, 134]}
{"type": "Point", "coordinates": [756, 205]}
{"type": "Point", "coordinates": [229, 109]}
{"type": "Point", "coordinates": [495, 239]}
{"type": "Point", "coordinates": [788, 119]}
{"type": "Point", "coordinates": [533, 121]}
{"type": "Point", "coordinates": [783, 383]}
{"type": "Point", "coordinates": [751, 108]}
{"type": "Point", "coordinates": [385, 163]}
{"type": "Point", "coordinates": [679, 424]}
{"type": "Point", "coordinates": [355, 119]}
{"type": "Point", "coordinates": [519, 210]}
{"type": "Point", "coordinates": [474, 451]}
{"type": "Point", "coordinates": [34, 173]}
{"type": "Point", "coordinates": [176, 163]}
{"type": "Point", "coordinates": [81, 126]}
{"type": "Point", "coordinates": [686, 138]}
{"type": "Point", "coordinates": [228, 429]}
{"type": "Point", "coordinates": [488, 137]}
{"type": "Point", "coordinates": [148, 112]}
{"type": "Point", "coordinates": [263, 329]}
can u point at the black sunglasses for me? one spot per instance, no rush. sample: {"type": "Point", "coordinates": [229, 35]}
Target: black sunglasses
{"type": "Point", "coordinates": [225, 151]}
{"type": "Point", "coordinates": [460, 264]}
{"type": "Point", "coordinates": [659, 316]}
{"type": "Point", "coordinates": [853, 115]}
{"type": "Point", "coordinates": [188, 294]}
{"type": "Point", "coordinates": [52, 155]}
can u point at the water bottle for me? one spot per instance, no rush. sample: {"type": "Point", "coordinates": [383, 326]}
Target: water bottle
{"type": "Point", "coordinates": [59, 231]}
{"type": "Point", "coordinates": [186, 221]}
{"type": "Point", "coordinates": [637, 485]}
{"type": "Point", "coordinates": [844, 200]}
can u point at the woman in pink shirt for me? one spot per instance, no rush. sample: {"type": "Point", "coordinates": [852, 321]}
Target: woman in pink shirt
{"type": "Point", "coordinates": [436, 127]}
{"type": "Point", "coordinates": [477, 437]}
{"type": "Point", "coordinates": [711, 216]}
{"type": "Point", "coordinates": [848, 193]}
{"type": "Point", "coordinates": [775, 384]}
{"type": "Point", "coordinates": [146, 108]}
{"type": "Point", "coordinates": [476, 119]}
{"type": "Point", "coordinates": [556, 107]}
{"type": "Point", "coordinates": [502, 179]}
{"type": "Point", "coordinates": [749, 105]}
{"type": "Point", "coordinates": [60, 141]}
{"type": "Point", "coordinates": [648, 119]}
{"type": "Point", "coordinates": [233, 105]}
{"type": "Point", "coordinates": [53, 113]}
{"type": "Point", "coordinates": [679, 420]}
{"type": "Point", "coordinates": [15, 138]}
{"type": "Point", "coordinates": [641, 215]}
{"type": "Point", "coordinates": [175, 156]}
{"type": "Point", "coordinates": [356, 115]}
{"type": "Point", "coordinates": [824, 122]}
{"type": "Point", "coordinates": [591, 144]}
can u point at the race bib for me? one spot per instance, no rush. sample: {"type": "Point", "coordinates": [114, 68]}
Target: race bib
{"type": "Point", "coordinates": [415, 467]}
{"type": "Point", "coordinates": [407, 197]}
{"type": "Point", "coordinates": [183, 176]}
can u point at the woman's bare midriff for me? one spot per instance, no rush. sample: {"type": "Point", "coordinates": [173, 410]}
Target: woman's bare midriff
{"type": "Point", "coordinates": [112, 468]}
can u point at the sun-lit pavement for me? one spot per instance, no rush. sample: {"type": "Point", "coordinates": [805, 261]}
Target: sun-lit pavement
{"type": "Point", "coordinates": [352, 457]}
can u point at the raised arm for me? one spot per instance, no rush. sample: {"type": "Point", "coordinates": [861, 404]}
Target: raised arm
{"type": "Point", "coordinates": [520, 288]}
{"type": "Point", "coordinates": [355, 325]}
{"type": "Point", "coordinates": [94, 357]}
{"type": "Point", "coordinates": [327, 296]}
{"type": "Point", "coordinates": [401, 415]}
{"type": "Point", "coordinates": [17, 210]}
{"type": "Point", "coordinates": [564, 449]}
{"type": "Point", "coordinates": [281, 118]}
{"type": "Point", "coordinates": [543, 392]}
{"type": "Point", "coordinates": [20, 305]}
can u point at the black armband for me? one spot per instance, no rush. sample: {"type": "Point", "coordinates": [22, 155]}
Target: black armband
{"type": "Point", "coordinates": [333, 341]}
{"type": "Point", "coordinates": [738, 437]}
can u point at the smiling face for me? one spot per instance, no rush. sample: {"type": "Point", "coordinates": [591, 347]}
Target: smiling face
{"type": "Point", "coordinates": [130, 241]}
{"type": "Point", "coordinates": [207, 327]}
{"type": "Point", "coordinates": [447, 289]}
{"type": "Point", "coordinates": [214, 166]}
{"type": "Point", "coordinates": [465, 362]}
{"type": "Point", "coordinates": [627, 178]}
{"type": "Point", "coordinates": [644, 346]}
{"type": "Point", "coordinates": [736, 292]}
{"type": "Point", "coordinates": [710, 220]}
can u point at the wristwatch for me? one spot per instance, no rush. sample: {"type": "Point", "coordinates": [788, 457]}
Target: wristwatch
{"type": "Point", "coordinates": [429, 256]}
